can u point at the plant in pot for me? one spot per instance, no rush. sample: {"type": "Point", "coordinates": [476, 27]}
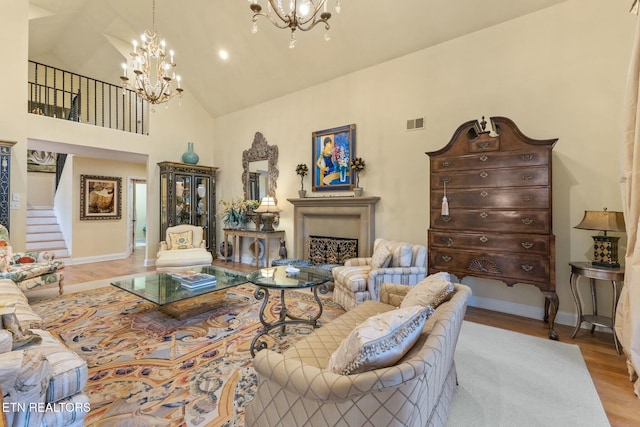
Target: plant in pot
{"type": "Point", "coordinates": [357, 166]}
{"type": "Point", "coordinates": [302, 170]}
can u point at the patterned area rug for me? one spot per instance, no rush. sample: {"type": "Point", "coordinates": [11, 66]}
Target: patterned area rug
{"type": "Point", "coordinates": [146, 368]}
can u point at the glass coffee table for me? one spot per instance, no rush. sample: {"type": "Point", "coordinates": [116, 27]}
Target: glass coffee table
{"type": "Point", "coordinates": [282, 279]}
{"type": "Point", "coordinates": [176, 300]}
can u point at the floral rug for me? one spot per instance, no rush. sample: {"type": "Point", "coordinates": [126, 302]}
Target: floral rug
{"type": "Point", "coordinates": [146, 368]}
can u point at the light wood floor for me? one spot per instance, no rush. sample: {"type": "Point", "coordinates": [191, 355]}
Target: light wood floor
{"type": "Point", "coordinates": [608, 370]}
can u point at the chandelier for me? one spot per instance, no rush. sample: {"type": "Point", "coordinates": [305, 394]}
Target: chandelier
{"type": "Point", "coordinates": [153, 72]}
{"type": "Point", "coordinates": [303, 15]}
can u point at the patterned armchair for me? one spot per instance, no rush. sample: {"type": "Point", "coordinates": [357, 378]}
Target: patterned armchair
{"type": "Point", "coordinates": [360, 279]}
{"type": "Point", "coordinates": [28, 270]}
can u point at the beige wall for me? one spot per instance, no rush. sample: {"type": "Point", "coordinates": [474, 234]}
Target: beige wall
{"type": "Point", "coordinates": [99, 238]}
{"type": "Point", "coordinates": [558, 73]}
{"type": "Point", "coordinates": [41, 188]}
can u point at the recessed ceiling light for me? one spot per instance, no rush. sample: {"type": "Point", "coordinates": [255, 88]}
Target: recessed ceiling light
{"type": "Point", "coordinates": [223, 54]}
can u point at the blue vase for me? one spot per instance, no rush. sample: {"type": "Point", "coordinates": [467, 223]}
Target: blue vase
{"type": "Point", "coordinates": [190, 156]}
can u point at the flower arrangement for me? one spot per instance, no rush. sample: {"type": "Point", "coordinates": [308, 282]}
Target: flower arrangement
{"type": "Point", "coordinates": [302, 170]}
{"type": "Point", "coordinates": [357, 166]}
{"type": "Point", "coordinates": [236, 212]}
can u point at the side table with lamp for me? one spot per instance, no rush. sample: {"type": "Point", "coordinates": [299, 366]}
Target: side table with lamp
{"type": "Point", "coordinates": [605, 266]}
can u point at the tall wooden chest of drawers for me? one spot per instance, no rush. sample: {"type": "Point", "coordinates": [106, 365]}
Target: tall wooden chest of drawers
{"type": "Point", "coordinates": [498, 224]}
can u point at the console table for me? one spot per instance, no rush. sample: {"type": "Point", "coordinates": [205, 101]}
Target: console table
{"type": "Point", "coordinates": [237, 235]}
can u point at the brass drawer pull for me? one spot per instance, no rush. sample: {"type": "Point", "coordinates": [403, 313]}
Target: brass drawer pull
{"type": "Point", "coordinates": [446, 218]}
{"type": "Point", "coordinates": [527, 267]}
{"type": "Point", "coordinates": [483, 174]}
{"type": "Point", "coordinates": [484, 239]}
{"type": "Point", "coordinates": [448, 241]}
{"type": "Point", "coordinates": [527, 157]}
{"type": "Point", "coordinates": [526, 198]}
{"type": "Point", "coordinates": [446, 164]}
{"type": "Point", "coordinates": [446, 258]}
{"type": "Point", "coordinates": [527, 221]}
{"type": "Point", "coordinates": [484, 194]}
{"type": "Point", "coordinates": [484, 215]}
{"type": "Point", "coordinates": [526, 245]}
{"type": "Point", "coordinates": [527, 177]}
{"type": "Point", "coordinates": [483, 158]}
{"type": "Point", "coordinates": [446, 179]}
{"type": "Point", "coordinates": [483, 145]}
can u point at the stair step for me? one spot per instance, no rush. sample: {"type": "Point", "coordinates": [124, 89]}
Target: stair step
{"type": "Point", "coordinates": [45, 245]}
{"type": "Point", "coordinates": [36, 220]}
{"type": "Point", "coordinates": [44, 236]}
{"type": "Point", "coordinates": [43, 228]}
{"type": "Point", "coordinates": [31, 213]}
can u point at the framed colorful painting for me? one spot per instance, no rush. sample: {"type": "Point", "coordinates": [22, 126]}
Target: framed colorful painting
{"type": "Point", "coordinates": [100, 197]}
{"type": "Point", "coordinates": [332, 154]}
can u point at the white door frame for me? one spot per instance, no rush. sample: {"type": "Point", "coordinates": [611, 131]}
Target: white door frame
{"type": "Point", "coordinates": [131, 211]}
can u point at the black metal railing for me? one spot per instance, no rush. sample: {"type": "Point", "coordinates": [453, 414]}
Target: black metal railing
{"type": "Point", "coordinates": [64, 95]}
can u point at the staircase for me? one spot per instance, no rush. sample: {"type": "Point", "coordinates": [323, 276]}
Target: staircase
{"type": "Point", "coordinates": [43, 233]}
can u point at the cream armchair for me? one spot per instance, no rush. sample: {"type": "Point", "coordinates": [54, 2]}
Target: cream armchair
{"type": "Point", "coordinates": [182, 249]}
{"type": "Point", "coordinates": [360, 279]}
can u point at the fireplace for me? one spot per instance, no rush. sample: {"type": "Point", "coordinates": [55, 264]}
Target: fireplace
{"type": "Point", "coordinates": [338, 217]}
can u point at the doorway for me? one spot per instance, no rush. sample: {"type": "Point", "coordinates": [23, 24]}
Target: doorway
{"type": "Point", "coordinates": [137, 213]}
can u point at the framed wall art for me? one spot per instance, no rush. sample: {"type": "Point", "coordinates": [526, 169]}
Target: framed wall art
{"type": "Point", "coordinates": [100, 197]}
{"type": "Point", "coordinates": [332, 154]}
{"type": "Point", "coordinates": [41, 161]}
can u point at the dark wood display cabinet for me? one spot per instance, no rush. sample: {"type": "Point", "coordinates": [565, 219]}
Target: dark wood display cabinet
{"type": "Point", "coordinates": [498, 223]}
{"type": "Point", "coordinates": [188, 196]}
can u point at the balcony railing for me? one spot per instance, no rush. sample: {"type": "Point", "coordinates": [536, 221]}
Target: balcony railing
{"type": "Point", "coordinates": [68, 96]}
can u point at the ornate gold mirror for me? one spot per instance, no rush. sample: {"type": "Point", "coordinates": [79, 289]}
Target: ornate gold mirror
{"type": "Point", "coordinates": [260, 169]}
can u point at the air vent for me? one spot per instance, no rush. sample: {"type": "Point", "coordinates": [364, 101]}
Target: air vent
{"type": "Point", "coordinates": [415, 124]}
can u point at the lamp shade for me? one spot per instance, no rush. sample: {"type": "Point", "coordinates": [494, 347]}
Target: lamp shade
{"type": "Point", "coordinates": [602, 220]}
{"type": "Point", "coordinates": [268, 204]}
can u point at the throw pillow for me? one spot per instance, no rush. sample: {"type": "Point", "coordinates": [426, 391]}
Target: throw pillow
{"type": "Point", "coordinates": [182, 240]}
{"type": "Point", "coordinates": [433, 290]}
{"type": "Point", "coordinates": [26, 259]}
{"type": "Point", "coordinates": [381, 257]}
{"type": "Point", "coordinates": [379, 341]}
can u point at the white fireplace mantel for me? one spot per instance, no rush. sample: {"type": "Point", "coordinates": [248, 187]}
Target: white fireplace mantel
{"type": "Point", "coordinates": [350, 217]}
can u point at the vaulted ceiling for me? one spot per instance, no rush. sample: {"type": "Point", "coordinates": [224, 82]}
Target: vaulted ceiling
{"type": "Point", "coordinates": [91, 38]}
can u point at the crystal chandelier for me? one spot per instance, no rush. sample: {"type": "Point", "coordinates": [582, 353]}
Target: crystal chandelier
{"type": "Point", "coordinates": [303, 15]}
{"type": "Point", "coordinates": [153, 72]}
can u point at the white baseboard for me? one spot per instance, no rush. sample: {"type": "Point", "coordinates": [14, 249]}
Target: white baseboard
{"type": "Point", "coordinates": [100, 258]}
{"type": "Point", "coordinates": [528, 311]}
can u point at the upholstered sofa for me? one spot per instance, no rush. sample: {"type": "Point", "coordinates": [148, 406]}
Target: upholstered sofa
{"type": "Point", "coordinates": [28, 270]}
{"type": "Point", "coordinates": [184, 247]}
{"type": "Point", "coordinates": [295, 388]}
{"type": "Point", "coordinates": [41, 379]}
{"type": "Point", "coordinates": [360, 279]}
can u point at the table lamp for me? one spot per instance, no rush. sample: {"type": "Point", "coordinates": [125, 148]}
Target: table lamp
{"type": "Point", "coordinates": [605, 248]}
{"type": "Point", "coordinates": [267, 210]}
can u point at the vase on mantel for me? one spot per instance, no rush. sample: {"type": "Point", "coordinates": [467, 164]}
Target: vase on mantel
{"type": "Point", "coordinates": [190, 156]}
{"type": "Point", "coordinates": [302, 193]}
{"type": "Point", "coordinates": [357, 191]}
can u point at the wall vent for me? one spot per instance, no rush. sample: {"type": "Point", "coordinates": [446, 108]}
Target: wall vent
{"type": "Point", "coordinates": [415, 124]}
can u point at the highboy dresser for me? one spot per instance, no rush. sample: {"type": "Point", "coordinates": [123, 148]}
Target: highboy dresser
{"type": "Point", "coordinates": [498, 221]}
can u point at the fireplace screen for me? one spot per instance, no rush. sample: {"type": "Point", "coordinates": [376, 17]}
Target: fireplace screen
{"type": "Point", "coordinates": [331, 250]}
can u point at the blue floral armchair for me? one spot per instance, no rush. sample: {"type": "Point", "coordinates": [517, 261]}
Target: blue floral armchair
{"type": "Point", "coordinates": [28, 270]}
